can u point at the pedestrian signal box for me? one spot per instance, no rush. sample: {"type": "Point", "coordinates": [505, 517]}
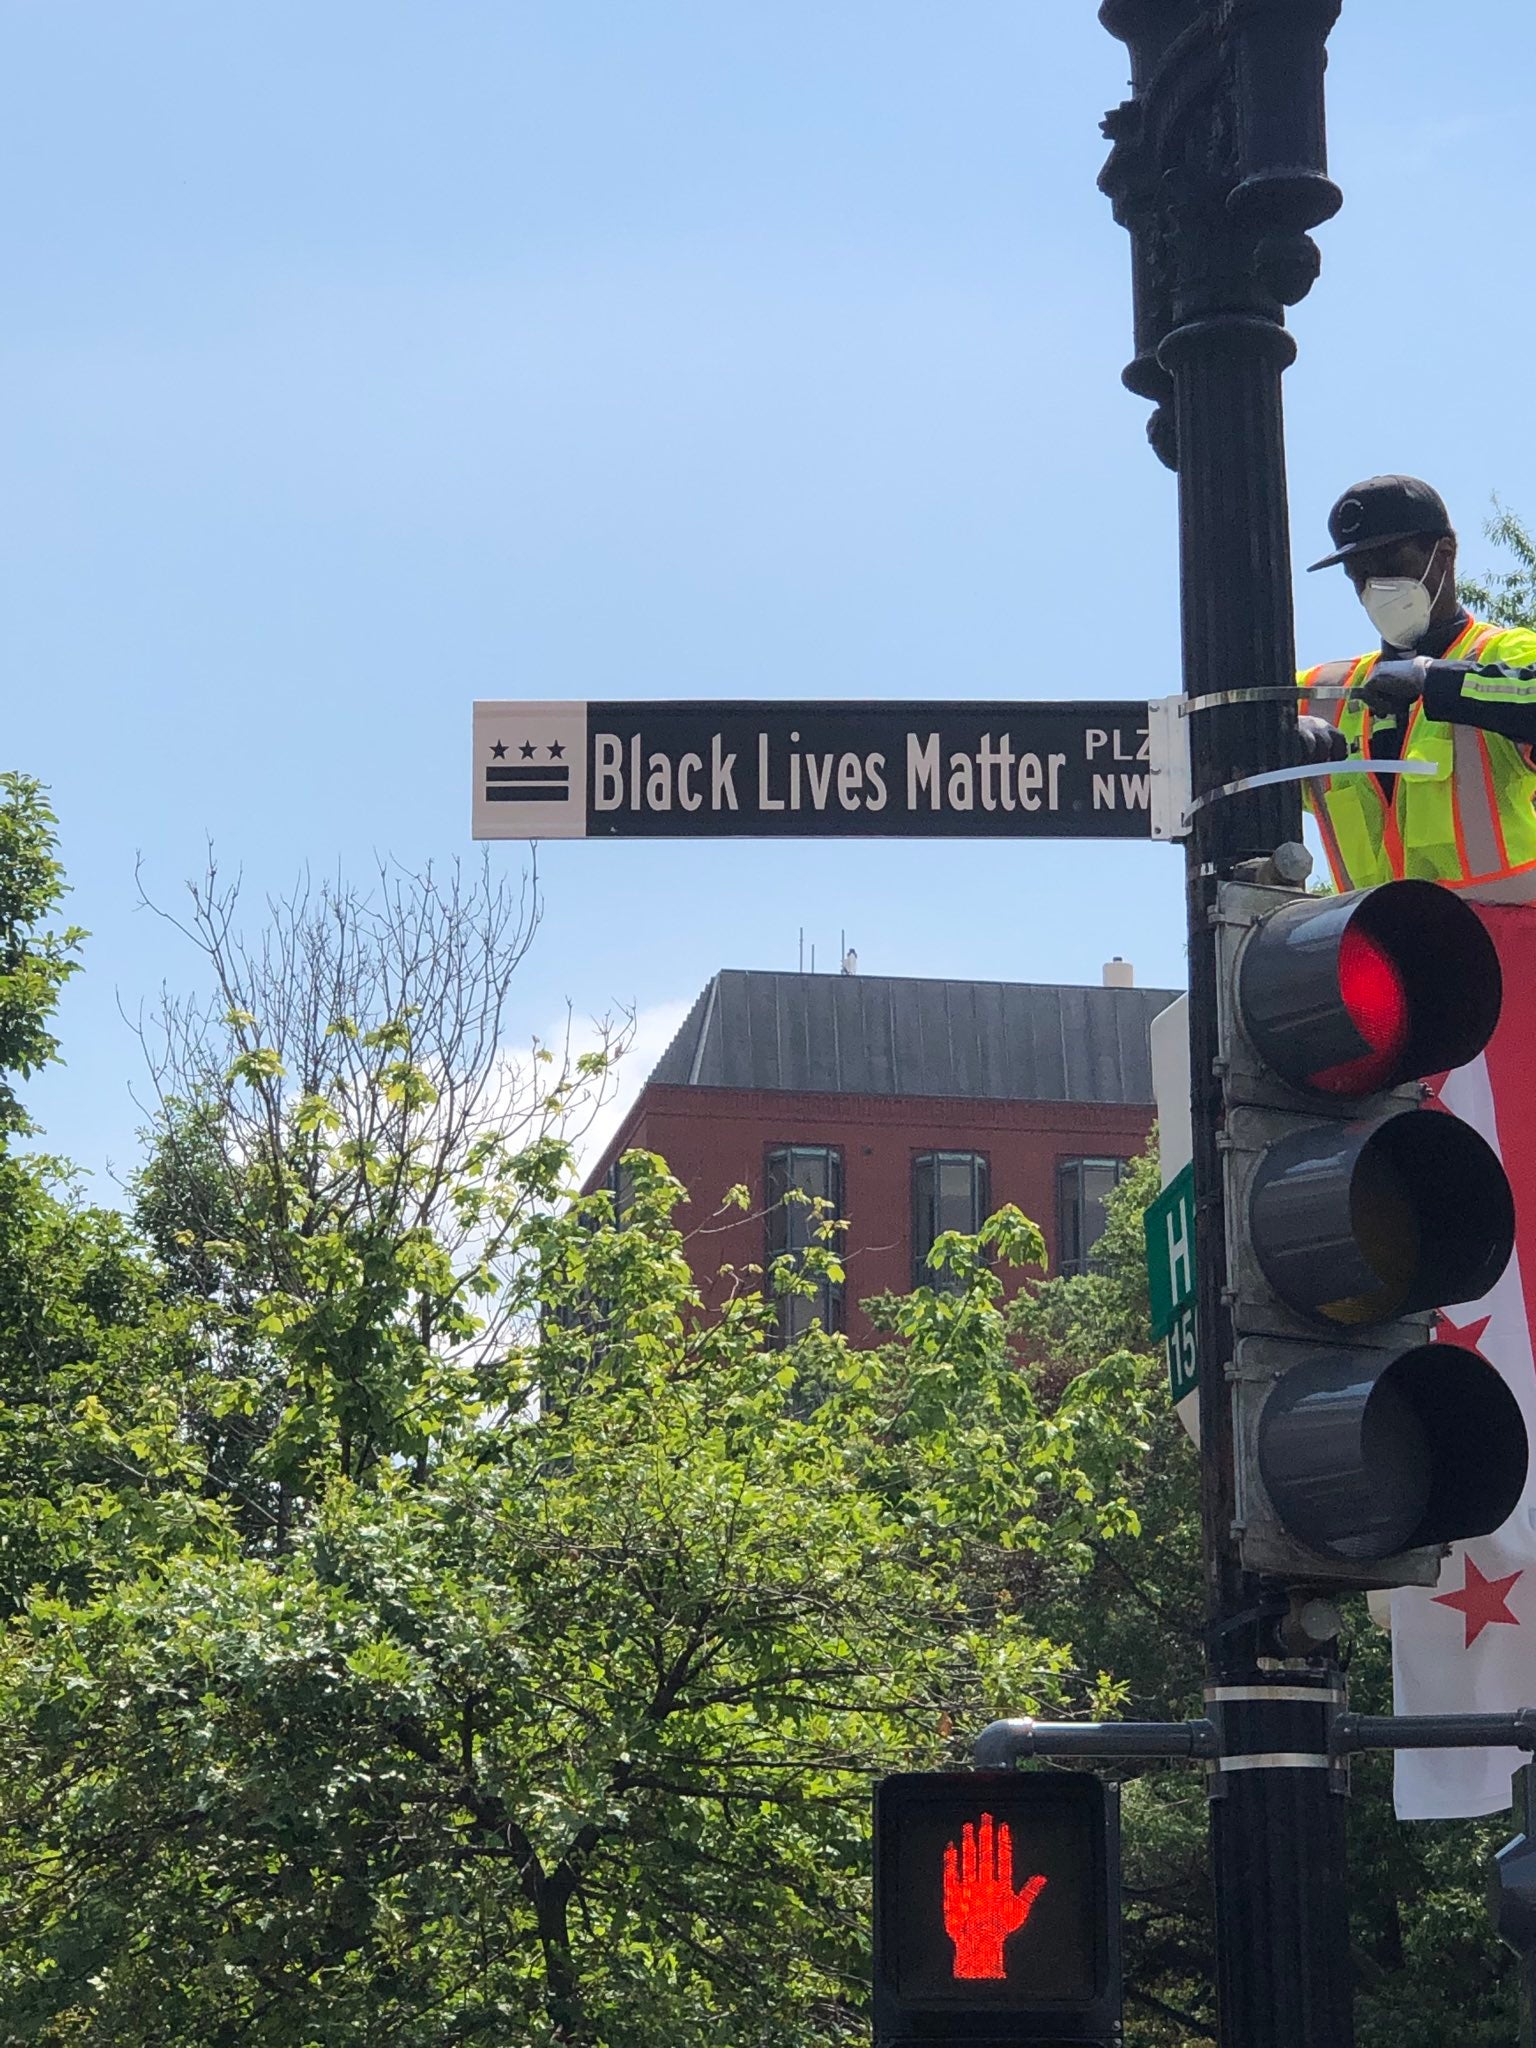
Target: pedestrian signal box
{"type": "Point", "coordinates": [1356, 1208]}
{"type": "Point", "coordinates": [997, 1904]}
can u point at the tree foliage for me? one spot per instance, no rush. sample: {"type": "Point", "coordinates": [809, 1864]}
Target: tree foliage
{"type": "Point", "coordinates": [509, 1645]}
{"type": "Point", "coordinates": [35, 960]}
{"type": "Point", "coordinates": [1507, 593]}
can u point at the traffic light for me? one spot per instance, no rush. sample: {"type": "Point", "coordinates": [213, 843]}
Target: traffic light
{"type": "Point", "coordinates": [997, 1903]}
{"type": "Point", "coordinates": [1353, 1212]}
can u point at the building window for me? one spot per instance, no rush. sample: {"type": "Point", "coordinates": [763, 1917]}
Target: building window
{"type": "Point", "coordinates": [816, 1173]}
{"type": "Point", "coordinates": [620, 1183]}
{"type": "Point", "coordinates": [1081, 1187]}
{"type": "Point", "coordinates": [949, 1192]}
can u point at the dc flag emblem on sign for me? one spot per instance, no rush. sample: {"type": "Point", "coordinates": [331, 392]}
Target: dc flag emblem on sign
{"type": "Point", "coordinates": [531, 770]}
{"type": "Point", "coordinates": [996, 1907]}
{"type": "Point", "coordinates": [526, 779]}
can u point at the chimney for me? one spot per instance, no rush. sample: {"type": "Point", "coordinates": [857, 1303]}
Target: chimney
{"type": "Point", "coordinates": [850, 962]}
{"type": "Point", "coordinates": [1119, 973]}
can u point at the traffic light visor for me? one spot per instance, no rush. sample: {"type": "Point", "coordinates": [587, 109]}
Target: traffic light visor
{"type": "Point", "coordinates": [1365, 1455]}
{"type": "Point", "coordinates": [1348, 995]}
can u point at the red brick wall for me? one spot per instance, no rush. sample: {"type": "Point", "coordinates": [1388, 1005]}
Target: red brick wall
{"type": "Point", "coordinates": [713, 1138]}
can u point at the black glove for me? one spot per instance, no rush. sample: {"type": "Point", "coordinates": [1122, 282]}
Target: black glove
{"type": "Point", "coordinates": [1393, 686]}
{"type": "Point", "coordinates": [1320, 740]}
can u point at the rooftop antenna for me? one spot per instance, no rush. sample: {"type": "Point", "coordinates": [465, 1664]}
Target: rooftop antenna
{"type": "Point", "coordinates": [802, 949]}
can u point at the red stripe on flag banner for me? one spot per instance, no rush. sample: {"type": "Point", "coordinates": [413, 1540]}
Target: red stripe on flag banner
{"type": "Point", "coordinates": [1512, 1073]}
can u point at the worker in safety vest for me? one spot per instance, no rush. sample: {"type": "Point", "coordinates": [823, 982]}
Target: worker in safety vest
{"type": "Point", "coordinates": [1445, 690]}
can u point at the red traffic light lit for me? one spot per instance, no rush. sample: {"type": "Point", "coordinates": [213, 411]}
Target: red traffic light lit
{"type": "Point", "coordinates": [1348, 995]}
{"type": "Point", "coordinates": [1375, 996]}
{"type": "Point", "coordinates": [996, 1907]}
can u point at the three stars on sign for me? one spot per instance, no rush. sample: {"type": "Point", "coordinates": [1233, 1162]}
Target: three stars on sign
{"type": "Point", "coordinates": [527, 750]}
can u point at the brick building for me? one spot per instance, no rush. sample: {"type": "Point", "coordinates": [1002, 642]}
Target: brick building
{"type": "Point", "coordinates": [913, 1106]}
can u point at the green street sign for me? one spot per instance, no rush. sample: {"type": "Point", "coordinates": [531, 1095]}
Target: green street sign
{"type": "Point", "coordinates": [1170, 1228]}
{"type": "Point", "coordinates": [1179, 1350]}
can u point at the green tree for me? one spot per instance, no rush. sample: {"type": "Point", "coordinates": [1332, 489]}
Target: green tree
{"type": "Point", "coordinates": [35, 960]}
{"type": "Point", "coordinates": [519, 1672]}
{"type": "Point", "coordinates": [92, 1367]}
{"type": "Point", "coordinates": [1508, 591]}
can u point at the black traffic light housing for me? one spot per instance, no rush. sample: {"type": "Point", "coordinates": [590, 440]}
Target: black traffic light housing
{"type": "Point", "coordinates": [1353, 1213]}
{"type": "Point", "coordinates": [997, 1908]}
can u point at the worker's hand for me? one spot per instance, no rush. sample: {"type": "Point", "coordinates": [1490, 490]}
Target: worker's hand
{"type": "Point", "coordinates": [1321, 741]}
{"type": "Point", "coordinates": [1392, 686]}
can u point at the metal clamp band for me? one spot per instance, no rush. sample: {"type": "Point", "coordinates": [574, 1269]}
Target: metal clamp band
{"type": "Point", "coordinates": [1317, 772]}
{"type": "Point", "coordinates": [1276, 1760]}
{"type": "Point", "coordinates": [1268, 693]}
{"type": "Point", "coordinates": [1304, 1695]}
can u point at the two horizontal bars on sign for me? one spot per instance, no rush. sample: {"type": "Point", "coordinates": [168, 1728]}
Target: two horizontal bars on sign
{"type": "Point", "coordinates": [551, 784]}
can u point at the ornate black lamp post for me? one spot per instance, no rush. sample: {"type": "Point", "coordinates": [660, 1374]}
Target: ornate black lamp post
{"type": "Point", "coordinates": [1219, 170]}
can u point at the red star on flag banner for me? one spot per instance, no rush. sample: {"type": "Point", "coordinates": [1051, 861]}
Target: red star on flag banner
{"type": "Point", "coordinates": [1468, 1334]}
{"type": "Point", "coordinates": [1481, 1602]}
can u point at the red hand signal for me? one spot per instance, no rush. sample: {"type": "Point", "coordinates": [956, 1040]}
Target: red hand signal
{"type": "Point", "coordinates": [981, 1907]}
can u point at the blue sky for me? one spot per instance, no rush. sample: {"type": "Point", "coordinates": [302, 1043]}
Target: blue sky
{"type": "Point", "coordinates": [362, 359]}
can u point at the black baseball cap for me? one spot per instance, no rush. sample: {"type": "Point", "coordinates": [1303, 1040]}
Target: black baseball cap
{"type": "Point", "coordinates": [1380, 511]}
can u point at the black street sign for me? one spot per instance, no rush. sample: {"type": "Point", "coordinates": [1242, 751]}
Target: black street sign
{"type": "Point", "coordinates": [816, 770]}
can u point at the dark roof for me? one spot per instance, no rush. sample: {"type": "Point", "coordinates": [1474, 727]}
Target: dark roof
{"type": "Point", "coordinates": [869, 1034]}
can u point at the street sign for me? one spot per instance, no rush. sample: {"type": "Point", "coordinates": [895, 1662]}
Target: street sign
{"type": "Point", "coordinates": [1175, 1150]}
{"type": "Point", "coordinates": [997, 1908]}
{"type": "Point", "coordinates": [1170, 1229]}
{"type": "Point", "coordinates": [814, 770]}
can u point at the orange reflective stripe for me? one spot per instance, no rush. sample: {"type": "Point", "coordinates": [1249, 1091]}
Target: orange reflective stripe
{"type": "Point", "coordinates": [1485, 762]}
{"type": "Point", "coordinates": [1517, 885]}
{"type": "Point", "coordinates": [1481, 850]}
{"type": "Point", "coordinates": [1470, 644]}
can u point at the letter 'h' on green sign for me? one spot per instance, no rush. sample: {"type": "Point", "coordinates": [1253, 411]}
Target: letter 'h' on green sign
{"type": "Point", "coordinates": [1170, 1227]}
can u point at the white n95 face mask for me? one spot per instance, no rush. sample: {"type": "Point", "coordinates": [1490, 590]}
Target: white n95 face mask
{"type": "Point", "coordinates": [1399, 607]}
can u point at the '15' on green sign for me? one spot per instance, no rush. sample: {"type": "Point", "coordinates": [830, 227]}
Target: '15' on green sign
{"type": "Point", "coordinates": [1170, 1227]}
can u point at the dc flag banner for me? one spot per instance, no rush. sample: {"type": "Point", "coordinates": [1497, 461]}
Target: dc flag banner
{"type": "Point", "coordinates": [813, 770]}
{"type": "Point", "coordinates": [1468, 1645]}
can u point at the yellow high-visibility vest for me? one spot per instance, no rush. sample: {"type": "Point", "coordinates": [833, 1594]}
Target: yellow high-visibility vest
{"type": "Point", "coordinates": [1471, 823]}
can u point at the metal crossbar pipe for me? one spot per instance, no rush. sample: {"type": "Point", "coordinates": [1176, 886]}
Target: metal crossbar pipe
{"type": "Point", "coordinates": [1351, 1732]}
{"type": "Point", "coordinates": [1005, 1742]}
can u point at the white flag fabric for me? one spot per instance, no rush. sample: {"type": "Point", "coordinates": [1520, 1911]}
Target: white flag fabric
{"type": "Point", "coordinates": [1468, 1645]}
